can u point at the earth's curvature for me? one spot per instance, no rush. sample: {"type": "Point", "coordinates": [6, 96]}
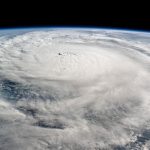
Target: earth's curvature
{"type": "Point", "coordinates": [74, 89]}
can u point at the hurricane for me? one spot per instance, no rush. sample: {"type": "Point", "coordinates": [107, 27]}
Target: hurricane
{"type": "Point", "coordinates": [74, 89]}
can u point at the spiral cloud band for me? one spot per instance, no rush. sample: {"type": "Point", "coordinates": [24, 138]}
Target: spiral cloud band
{"type": "Point", "coordinates": [74, 89]}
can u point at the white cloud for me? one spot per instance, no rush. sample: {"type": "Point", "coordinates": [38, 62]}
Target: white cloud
{"type": "Point", "coordinates": [70, 90]}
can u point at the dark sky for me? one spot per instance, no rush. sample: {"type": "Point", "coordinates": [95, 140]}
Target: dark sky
{"type": "Point", "coordinates": [73, 14]}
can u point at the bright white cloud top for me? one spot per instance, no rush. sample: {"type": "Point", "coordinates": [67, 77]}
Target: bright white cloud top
{"type": "Point", "coordinates": [74, 89]}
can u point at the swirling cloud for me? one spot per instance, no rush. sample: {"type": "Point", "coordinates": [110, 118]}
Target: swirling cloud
{"type": "Point", "coordinates": [74, 89]}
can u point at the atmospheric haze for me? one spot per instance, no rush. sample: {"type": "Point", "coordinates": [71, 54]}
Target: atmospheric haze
{"type": "Point", "coordinates": [74, 89]}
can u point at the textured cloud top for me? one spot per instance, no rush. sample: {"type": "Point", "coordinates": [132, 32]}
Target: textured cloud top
{"type": "Point", "coordinates": [74, 89]}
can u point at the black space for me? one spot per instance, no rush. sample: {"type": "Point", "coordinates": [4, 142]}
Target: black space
{"type": "Point", "coordinates": [90, 15]}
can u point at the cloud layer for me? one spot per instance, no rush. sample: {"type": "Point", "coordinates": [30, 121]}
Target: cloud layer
{"type": "Point", "coordinates": [74, 89]}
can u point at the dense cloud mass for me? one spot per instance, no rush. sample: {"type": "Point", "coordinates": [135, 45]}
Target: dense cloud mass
{"type": "Point", "coordinates": [74, 89]}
